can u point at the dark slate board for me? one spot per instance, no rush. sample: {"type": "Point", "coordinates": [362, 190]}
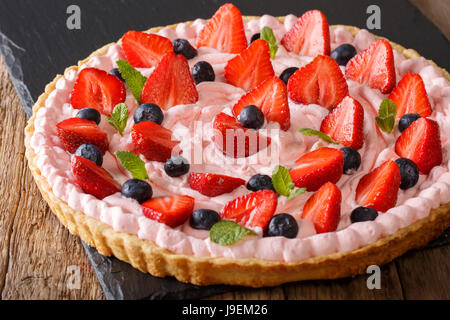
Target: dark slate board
{"type": "Point", "coordinates": [36, 45]}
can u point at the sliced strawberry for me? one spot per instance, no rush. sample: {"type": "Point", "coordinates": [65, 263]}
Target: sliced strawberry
{"type": "Point", "coordinates": [153, 141]}
{"type": "Point", "coordinates": [323, 208]}
{"type": "Point", "coordinates": [97, 89]}
{"type": "Point", "coordinates": [213, 185]}
{"type": "Point", "coordinates": [421, 143]}
{"type": "Point", "coordinates": [144, 50]}
{"type": "Point", "coordinates": [320, 82]}
{"type": "Point", "coordinates": [251, 67]}
{"type": "Point", "coordinates": [171, 83]}
{"type": "Point", "coordinates": [374, 67]}
{"type": "Point", "coordinates": [93, 179]}
{"type": "Point", "coordinates": [271, 97]}
{"type": "Point", "coordinates": [379, 188]}
{"type": "Point", "coordinates": [252, 210]}
{"type": "Point", "coordinates": [225, 31]}
{"type": "Point", "coordinates": [172, 211]}
{"type": "Point", "coordinates": [410, 96]}
{"type": "Point", "coordinates": [317, 168]}
{"type": "Point", "coordinates": [345, 123]}
{"type": "Point", "coordinates": [310, 36]}
{"type": "Point", "coordinates": [74, 132]}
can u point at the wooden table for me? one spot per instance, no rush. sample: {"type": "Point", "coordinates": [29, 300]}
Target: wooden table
{"type": "Point", "coordinates": [36, 251]}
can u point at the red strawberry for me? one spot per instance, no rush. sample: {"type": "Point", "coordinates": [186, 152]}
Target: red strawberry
{"type": "Point", "coordinates": [318, 167]}
{"type": "Point", "coordinates": [421, 143]}
{"type": "Point", "coordinates": [213, 185]}
{"type": "Point", "coordinates": [153, 141]}
{"type": "Point", "coordinates": [410, 96]}
{"type": "Point", "coordinates": [144, 50]}
{"type": "Point", "coordinates": [271, 97]}
{"type": "Point", "coordinates": [378, 189]}
{"type": "Point", "coordinates": [171, 83]}
{"type": "Point", "coordinates": [374, 67]}
{"type": "Point", "coordinates": [252, 210]}
{"type": "Point", "coordinates": [245, 142]}
{"type": "Point", "coordinates": [74, 132]}
{"type": "Point", "coordinates": [97, 89]}
{"type": "Point", "coordinates": [324, 208]}
{"type": "Point", "coordinates": [225, 31]}
{"type": "Point", "coordinates": [251, 67]}
{"type": "Point", "coordinates": [310, 36]}
{"type": "Point", "coordinates": [320, 82]}
{"type": "Point", "coordinates": [345, 123]}
{"type": "Point", "coordinates": [93, 179]}
{"type": "Point", "coordinates": [172, 211]}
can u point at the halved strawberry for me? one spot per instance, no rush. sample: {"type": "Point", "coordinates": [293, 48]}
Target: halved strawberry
{"type": "Point", "coordinates": [410, 96]}
{"type": "Point", "coordinates": [421, 143]}
{"type": "Point", "coordinates": [171, 83]}
{"type": "Point", "coordinates": [213, 185]}
{"type": "Point", "coordinates": [172, 211]}
{"type": "Point", "coordinates": [144, 50]}
{"type": "Point", "coordinates": [374, 67]}
{"type": "Point", "coordinates": [225, 31]}
{"type": "Point", "coordinates": [93, 179]}
{"type": "Point", "coordinates": [97, 89]}
{"type": "Point", "coordinates": [251, 67]}
{"type": "Point", "coordinates": [310, 36]}
{"type": "Point", "coordinates": [252, 210]}
{"type": "Point", "coordinates": [320, 82]}
{"type": "Point", "coordinates": [74, 132]}
{"type": "Point", "coordinates": [323, 208]}
{"type": "Point", "coordinates": [318, 167]}
{"type": "Point", "coordinates": [271, 97]}
{"type": "Point", "coordinates": [345, 123]}
{"type": "Point", "coordinates": [153, 141]}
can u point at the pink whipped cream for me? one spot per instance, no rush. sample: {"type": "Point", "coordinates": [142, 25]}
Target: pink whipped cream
{"type": "Point", "coordinates": [125, 215]}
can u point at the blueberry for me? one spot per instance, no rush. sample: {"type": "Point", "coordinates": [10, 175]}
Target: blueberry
{"type": "Point", "coordinates": [352, 160]}
{"type": "Point", "coordinates": [176, 167]}
{"type": "Point", "coordinates": [149, 112]}
{"type": "Point", "coordinates": [90, 114]}
{"type": "Point", "coordinates": [138, 190]}
{"type": "Point", "coordinates": [260, 182]}
{"type": "Point", "coordinates": [409, 173]}
{"type": "Point", "coordinates": [182, 46]}
{"type": "Point", "coordinates": [286, 74]}
{"type": "Point", "coordinates": [343, 54]}
{"type": "Point", "coordinates": [203, 71]}
{"type": "Point", "coordinates": [203, 219]}
{"type": "Point", "coordinates": [251, 117]}
{"type": "Point", "coordinates": [282, 225]}
{"type": "Point", "coordinates": [90, 152]}
{"type": "Point", "coordinates": [362, 214]}
{"type": "Point", "coordinates": [255, 37]}
{"type": "Point", "coordinates": [116, 72]}
{"type": "Point", "coordinates": [407, 120]}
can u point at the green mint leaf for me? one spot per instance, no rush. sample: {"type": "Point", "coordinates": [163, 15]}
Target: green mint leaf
{"type": "Point", "coordinates": [227, 233]}
{"type": "Point", "coordinates": [282, 181]}
{"type": "Point", "coordinates": [296, 193]}
{"type": "Point", "coordinates": [134, 79]}
{"type": "Point", "coordinates": [267, 34]}
{"type": "Point", "coordinates": [321, 135]}
{"type": "Point", "coordinates": [133, 164]}
{"type": "Point", "coordinates": [119, 117]}
{"type": "Point", "coordinates": [386, 115]}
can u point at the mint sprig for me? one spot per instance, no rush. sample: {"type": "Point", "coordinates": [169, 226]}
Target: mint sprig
{"type": "Point", "coordinates": [386, 115]}
{"type": "Point", "coordinates": [134, 79]}
{"type": "Point", "coordinates": [119, 117]}
{"type": "Point", "coordinates": [227, 233]}
{"type": "Point", "coordinates": [133, 164]}
{"type": "Point", "coordinates": [267, 34]}
{"type": "Point", "coordinates": [315, 133]}
{"type": "Point", "coordinates": [282, 182]}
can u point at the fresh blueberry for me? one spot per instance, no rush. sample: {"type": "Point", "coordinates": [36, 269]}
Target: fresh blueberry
{"type": "Point", "coordinates": [343, 54]}
{"type": "Point", "coordinates": [138, 190]}
{"type": "Point", "coordinates": [149, 112]}
{"type": "Point", "coordinates": [203, 219]}
{"type": "Point", "coordinates": [176, 167]}
{"type": "Point", "coordinates": [255, 37]}
{"type": "Point", "coordinates": [282, 225]}
{"type": "Point", "coordinates": [352, 160]}
{"type": "Point", "coordinates": [362, 214]}
{"type": "Point", "coordinates": [89, 114]}
{"type": "Point", "coordinates": [116, 72]}
{"type": "Point", "coordinates": [182, 46]}
{"type": "Point", "coordinates": [90, 152]}
{"type": "Point", "coordinates": [286, 74]}
{"type": "Point", "coordinates": [407, 120]}
{"type": "Point", "coordinates": [260, 182]}
{"type": "Point", "coordinates": [203, 71]}
{"type": "Point", "coordinates": [409, 173]}
{"type": "Point", "coordinates": [251, 117]}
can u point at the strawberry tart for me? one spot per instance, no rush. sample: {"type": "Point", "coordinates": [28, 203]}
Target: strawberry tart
{"type": "Point", "coordinates": [247, 151]}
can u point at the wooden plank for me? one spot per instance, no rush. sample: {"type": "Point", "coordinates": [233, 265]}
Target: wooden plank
{"type": "Point", "coordinates": [437, 11]}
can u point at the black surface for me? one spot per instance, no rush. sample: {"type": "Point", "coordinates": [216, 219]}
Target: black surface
{"type": "Point", "coordinates": [36, 45]}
